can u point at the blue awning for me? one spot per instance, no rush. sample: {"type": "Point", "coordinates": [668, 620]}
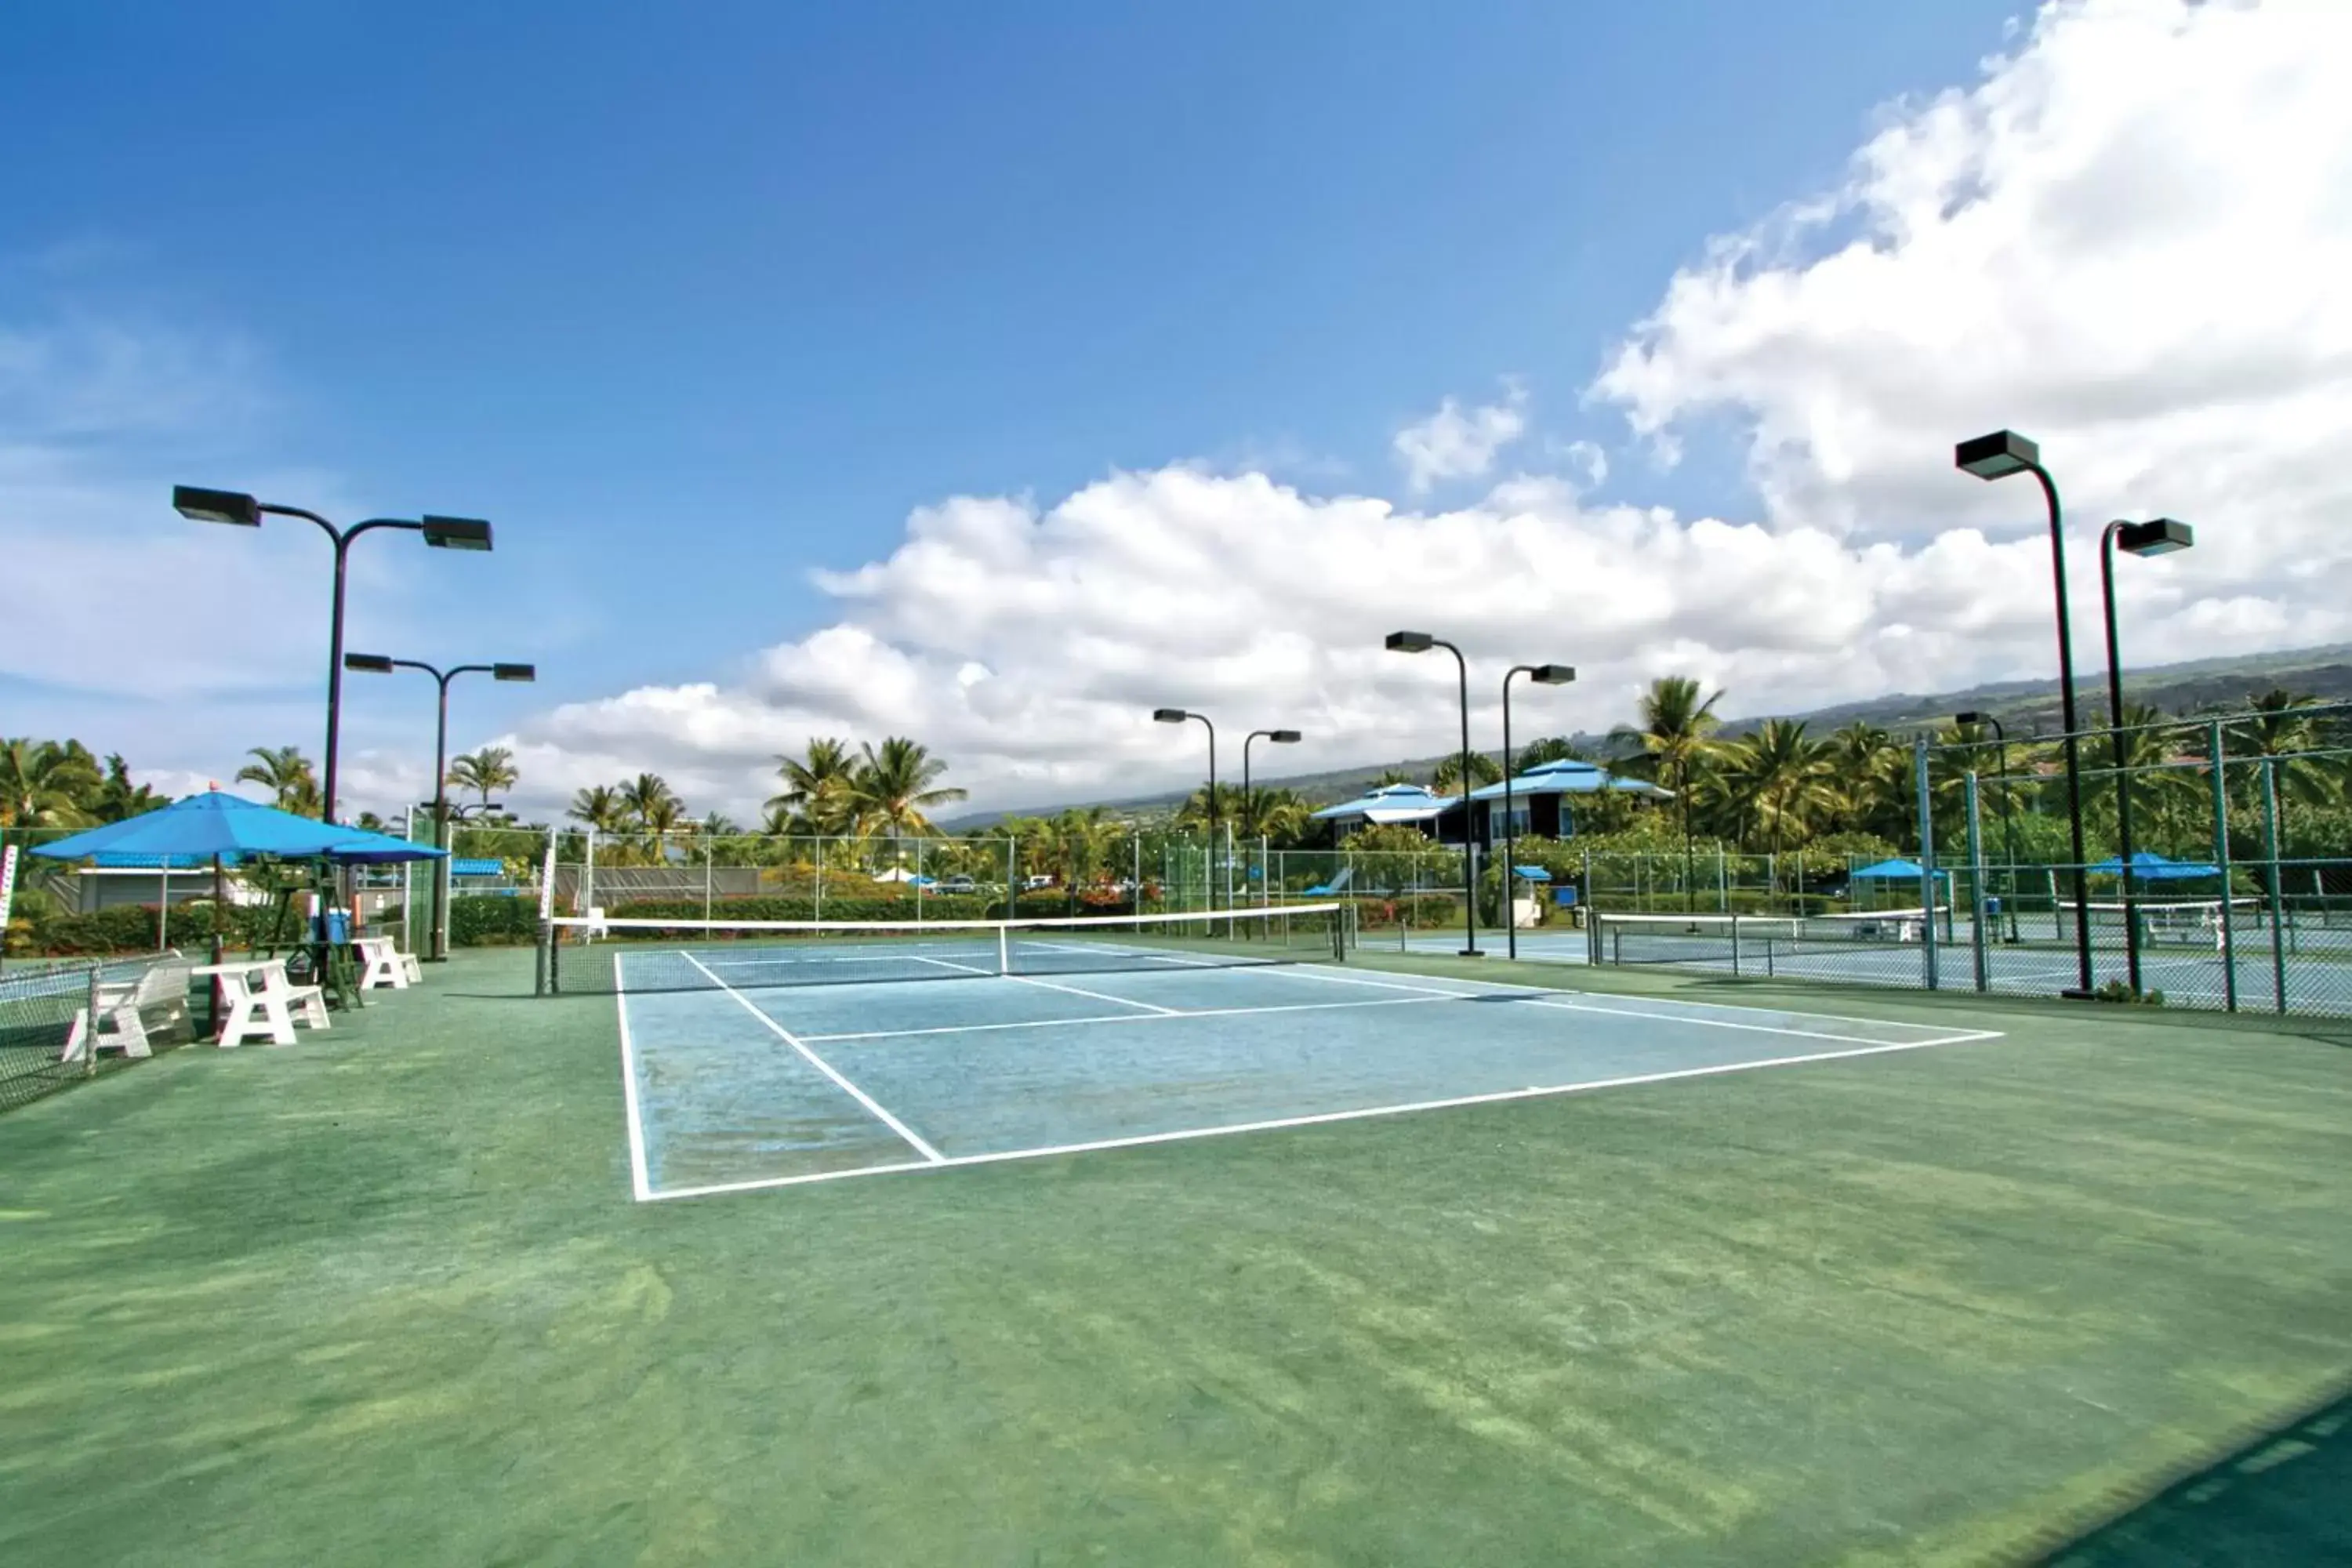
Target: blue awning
{"type": "Point", "coordinates": [2149, 867]}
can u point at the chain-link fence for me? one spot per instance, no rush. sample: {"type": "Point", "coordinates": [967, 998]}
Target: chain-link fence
{"type": "Point", "coordinates": [2216, 871]}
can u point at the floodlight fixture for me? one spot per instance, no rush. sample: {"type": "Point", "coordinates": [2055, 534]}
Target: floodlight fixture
{"type": "Point", "coordinates": [514, 672]}
{"type": "Point", "coordinates": [2159, 536]}
{"type": "Point", "coordinates": [372, 663]}
{"type": "Point", "coordinates": [1168, 715]}
{"type": "Point", "coordinates": [1283, 737]}
{"type": "Point", "coordinates": [455, 532]}
{"type": "Point", "coordinates": [1997, 456]}
{"type": "Point", "coordinates": [198, 504]}
{"type": "Point", "coordinates": [1410, 642]}
{"type": "Point", "coordinates": [1552, 674]}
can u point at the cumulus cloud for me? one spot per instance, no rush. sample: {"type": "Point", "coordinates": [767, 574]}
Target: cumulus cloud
{"type": "Point", "coordinates": [2126, 238]}
{"type": "Point", "coordinates": [1452, 444]}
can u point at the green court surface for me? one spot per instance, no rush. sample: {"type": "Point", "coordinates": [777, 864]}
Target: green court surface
{"type": "Point", "coordinates": [388, 1296]}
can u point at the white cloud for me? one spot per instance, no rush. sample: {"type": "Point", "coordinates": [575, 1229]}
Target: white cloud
{"type": "Point", "coordinates": [2126, 239]}
{"type": "Point", "coordinates": [1453, 445]}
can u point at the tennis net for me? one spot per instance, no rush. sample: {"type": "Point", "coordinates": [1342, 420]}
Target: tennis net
{"type": "Point", "coordinates": [640, 955]}
{"type": "Point", "coordinates": [1736, 940]}
{"type": "Point", "coordinates": [2194, 921]}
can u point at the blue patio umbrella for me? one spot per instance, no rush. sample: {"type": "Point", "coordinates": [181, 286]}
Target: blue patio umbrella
{"type": "Point", "coordinates": [2148, 867]}
{"type": "Point", "coordinates": [217, 823]}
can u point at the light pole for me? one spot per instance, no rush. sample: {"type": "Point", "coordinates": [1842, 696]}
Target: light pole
{"type": "Point", "coordinates": [1177, 716]}
{"type": "Point", "coordinates": [1973, 720]}
{"type": "Point", "coordinates": [1279, 738]}
{"type": "Point", "coordinates": [1421, 642]}
{"type": "Point", "coordinates": [202, 505]}
{"type": "Point", "coordinates": [2159, 537]}
{"type": "Point", "coordinates": [377, 664]}
{"type": "Point", "coordinates": [1996, 456]}
{"type": "Point", "coordinates": [1542, 675]}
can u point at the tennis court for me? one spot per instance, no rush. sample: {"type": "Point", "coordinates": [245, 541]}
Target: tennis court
{"type": "Point", "coordinates": [748, 1067]}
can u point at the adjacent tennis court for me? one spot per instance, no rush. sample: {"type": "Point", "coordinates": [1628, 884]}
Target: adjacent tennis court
{"type": "Point", "coordinates": [754, 1067]}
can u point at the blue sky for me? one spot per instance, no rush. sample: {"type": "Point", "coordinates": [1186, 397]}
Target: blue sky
{"type": "Point", "coordinates": [692, 302]}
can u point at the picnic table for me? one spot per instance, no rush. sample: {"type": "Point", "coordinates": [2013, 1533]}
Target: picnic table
{"type": "Point", "coordinates": [260, 1000]}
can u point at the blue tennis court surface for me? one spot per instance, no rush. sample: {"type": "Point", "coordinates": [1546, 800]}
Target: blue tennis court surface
{"type": "Point", "coordinates": [732, 1089]}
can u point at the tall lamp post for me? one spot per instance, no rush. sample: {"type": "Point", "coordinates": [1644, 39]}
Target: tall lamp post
{"type": "Point", "coordinates": [1421, 642]}
{"type": "Point", "coordinates": [2159, 537]}
{"type": "Point", "coordinates": [235, 506]}
{"type": "Point", "coordinates": [1976, 721]}
{"type": "Point", "coordinates": [1996, 456]}
{"type": "Point", "coordinates": [1279, 738]}
{"type": "Point", "coordinates": [1542, 675]}
{"type": "Point", "coordinates": [377, 664]}
{"type": "Point", "coordinates": [1177, 716]}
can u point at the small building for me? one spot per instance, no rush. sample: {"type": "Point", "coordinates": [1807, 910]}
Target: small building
{"type": "Point", "coordinates": [1399, 804]}
{"type": "Point", "coordinates": [1541, 804]}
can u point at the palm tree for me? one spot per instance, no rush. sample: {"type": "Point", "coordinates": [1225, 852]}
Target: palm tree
{"type": "Point", "coordinates": [601, 806]}
{"type": "Point", "coordinates": [896, 781]}
{"type": "Point", "coordinates": [1392, 776]}
{"type": "Point", "coordinates": [1278, 815]}
{"type": "Point", "coordinates": [1446, 777]}
{"type": "Point", "coordinates": [118, 798]}
{"type": "Point", "coordinates": [286, 773]}
{"type": "Point", "coordinates": [1548, 749]}
{"type": "Point", "coordinates": [1674, 742]}
{"type": "Point", "coordinates": [42, 784]}
{"type": "Point", "coordinates": [485, 771]}
{"type": "Point", "coordinates": [653, 807]}
{"type": "Point", "coordinates": [1780, 777]}
{"type": "Point", "coordinates": [2279, 728]}
{"type": "Point", "coordinates": [1872, 775]}
{"type": "Point", "coordinates": [819, 785]}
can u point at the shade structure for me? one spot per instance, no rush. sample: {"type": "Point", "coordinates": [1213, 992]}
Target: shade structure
{"type": "Point", "coordinates": [358, 846]}
{"type": "Point", "coordinates": [2149, 867]}
{"type": "Point", "coordinates": [1893, 871]}
{"type": "Point", "coordinates": [218, 822]}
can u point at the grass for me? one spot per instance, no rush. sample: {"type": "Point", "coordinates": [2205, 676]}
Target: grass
{"type": "Point", "coordinates": [381, 1297]}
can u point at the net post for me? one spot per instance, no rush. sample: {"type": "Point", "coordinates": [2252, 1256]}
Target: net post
{"type": "Point", "coordinates": [544, 981]}
{"type": "Point", "coordinates": [1004, 947]}
{"type": "Point", "coordinates": [1733, 915]}
{"type": "Point", "coordinates": [2216, 756]}
{"type": "Point", "coordinates": [1927, 861]}
{"type": "Point", "coordinates": [1976, 888]}
{"type": "Point", "coordinates": [2270, 881]}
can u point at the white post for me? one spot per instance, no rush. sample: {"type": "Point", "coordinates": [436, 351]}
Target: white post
{"type": "Point", "coordinates": [587, 896]}
{"type": "Point", "coordinates": [819, 907]}
{"type": "Point", "coordinates": [162, 908]}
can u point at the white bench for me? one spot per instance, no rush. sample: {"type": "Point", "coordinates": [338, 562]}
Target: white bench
{"type": "Point", "coordinates": [386, 965]}
{"type": "Point", "coordinates": [262, 1001]}
{"type": "Point", "coordinates": [122, 1009]}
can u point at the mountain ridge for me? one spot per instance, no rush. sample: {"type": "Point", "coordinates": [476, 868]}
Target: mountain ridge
{"type": "Point", "coordinates": [2023, 707]}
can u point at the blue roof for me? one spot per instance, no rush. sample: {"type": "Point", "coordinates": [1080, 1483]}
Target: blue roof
{"type": "Point", "coordinates": [2149, 867]}
{"type": "Point", "coordinates": [1393, 803]}
{"type": "Point", "coordinates": [1891, 871]}
{"type": "Point", "coordinates": [1571, 776]}
{"type": "Point", "coordinates": [477, 868]}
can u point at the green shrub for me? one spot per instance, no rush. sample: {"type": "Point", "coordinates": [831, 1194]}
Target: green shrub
{"type": "Point", "coordinates": [492, 921]}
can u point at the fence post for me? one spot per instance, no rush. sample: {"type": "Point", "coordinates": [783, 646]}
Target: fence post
{"type": "Point", "coordinates": [2271, 853]}
{"type": "Point", "coordinates": [1975, 886]}
{"type": "Point", "coordinates": [2228, 938]}
{"type": "Point", "coordinates": [1926, 862]}
{"type": "Point", "coordinates": [8, 893]}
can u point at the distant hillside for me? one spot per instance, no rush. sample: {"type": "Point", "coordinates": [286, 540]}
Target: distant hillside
{"type": "Point", "coordinates": [2023, 708]}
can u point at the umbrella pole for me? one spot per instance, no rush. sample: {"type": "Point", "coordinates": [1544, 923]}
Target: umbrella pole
{"type": "Point", "coordinates": [220, 914]}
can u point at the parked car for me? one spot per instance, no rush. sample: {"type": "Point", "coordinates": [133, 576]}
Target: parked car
{"type": "Point", "coordinates": [959, 885]}
{"type": "Point", "coordinates": [1041, 880]}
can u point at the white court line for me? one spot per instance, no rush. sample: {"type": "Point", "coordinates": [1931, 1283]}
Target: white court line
{"type": "Point", "coordinates": [1125, 1018]}
{"type": "Point", "coordinates": [1496, 1097]}
{"type": "Point", "coordinates": [1033, 980]}
{"type": "Point", "coordinates": [1543, 997]}
{"type": "Point", "coordinates": [638, 1180]}
{"type": "Point", "coordinates": [826, 1067]}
